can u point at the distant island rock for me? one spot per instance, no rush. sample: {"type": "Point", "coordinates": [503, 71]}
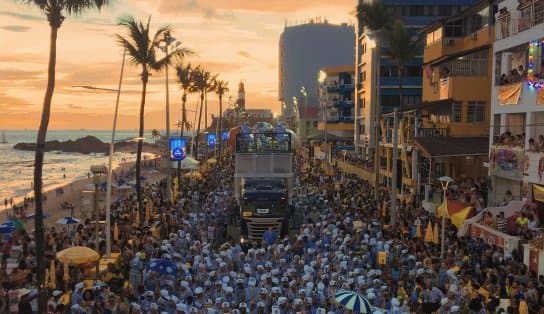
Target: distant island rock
{"type": "Point", "coordinates": [87, 145]}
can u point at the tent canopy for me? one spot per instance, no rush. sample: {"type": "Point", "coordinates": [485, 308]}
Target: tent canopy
{"type": "Point", "coordinates": [188, 163]}
{"type": "Point", "coordinates": [78, 255]}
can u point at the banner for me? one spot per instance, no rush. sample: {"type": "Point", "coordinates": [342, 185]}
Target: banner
{"type": "Point", "coordinates": [509, 94]}
{"type": "Point", "coordinates": [540, 96]}
{"type": "Point", "coordinates": [533, 170]}
{"type": "Point", "coordinates": [538, 193]}
{"type": "Point", "coordinates": [506, 162]}
{"type": "Point", "coordinates": [476, 231]}
{"type": "Point", "coordinates": [177, 149]}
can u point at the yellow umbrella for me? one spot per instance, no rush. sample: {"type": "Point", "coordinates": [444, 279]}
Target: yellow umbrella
{"type": "Point", "coordinates": [194, 175]}
{"type": "Point", "coordinates": [418, 230]}
{"type": "Point", "coordinates": [435, 234]}
{"type": "Point", "coordinates": [78, 255]}
{"type": "Point", "coordinates": [52, 276]}
{"type": "Point", "coordinates": [66, 275]}
{"type": "Point", "coordinates": [429, 233]}
{"type": "Point", "coordinates": [115, 232]}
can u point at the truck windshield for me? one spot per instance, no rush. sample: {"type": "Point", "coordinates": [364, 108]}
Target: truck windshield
{"type": "Point", "coordinates": [265, 207]}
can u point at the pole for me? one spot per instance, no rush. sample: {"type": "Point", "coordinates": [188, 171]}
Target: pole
{"type": "Point", "coordinates": [444, 222]}
{"type": "Point", "coordinates": [168, 164]}
{"type": "Point", "coordinates": [377, 121]}
{"type": "Point", "coordinates": [326, 146]}
{"type": "Point", "coordinates": [96, 212]}
{"type": "Point", "coordinates": [394, 172]}
{"type": "Point", "coordinates": [110, 160]}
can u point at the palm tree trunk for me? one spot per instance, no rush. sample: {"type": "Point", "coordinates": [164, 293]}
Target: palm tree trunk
{"type": "Point", "coordinates": [206, 109]}
{"type": "Point", "coordinates": [183, 120]}
{"type": "Point", "coordinates": [199, 121]}
{"type": "Point", "coordinates": [220, 127]}
{"type": "Point", "coordinates": [139, 151]}
{"type": "Point", "coordinates": [38, 168]}
{"type": "Point", "coordinates": [394, 167]}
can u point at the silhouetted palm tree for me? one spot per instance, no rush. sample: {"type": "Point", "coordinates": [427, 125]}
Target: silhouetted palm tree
{"type": "Point", "coordinates": [55, 11]}
{"type": "Point", "coordinates": [141, 51]}
{"type": "Point", "coordinates": [202, 80]}
{"type": "Point", "coordinates": [185, 81]}
{"type": "Point", "coordinates": [221, 88]}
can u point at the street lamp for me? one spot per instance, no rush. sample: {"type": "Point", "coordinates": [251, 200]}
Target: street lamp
{"type": "Point", "coordinates": [163, 44]}
{"type": "Point", "coordinates": [295, 111]}
{"type": "Point", "coordinates": [304, 92]}
{"type": "Point", "coordinates": [444, 182]}
{"type": "Point", "coordinates": [324, 105]}
{"type": "Point", "coordinates": [114, 127]}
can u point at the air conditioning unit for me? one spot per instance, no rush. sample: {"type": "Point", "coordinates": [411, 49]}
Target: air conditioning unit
{"type": "Point", "coordinates": [473, 36]}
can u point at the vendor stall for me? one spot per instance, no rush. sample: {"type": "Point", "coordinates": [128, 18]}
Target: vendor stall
{"type": "Point", "coordinates": [492, 236]}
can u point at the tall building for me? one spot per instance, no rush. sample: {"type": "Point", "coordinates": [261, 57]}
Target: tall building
{"type": "Point", "coordinates": [415, 14]}
{"type": "Point", "coordinates": [517, 103]}
{"type": "Point", "coordinates": [303, 50]}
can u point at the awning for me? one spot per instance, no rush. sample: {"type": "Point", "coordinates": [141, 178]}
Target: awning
{"type": "Point", "coordinates": [442, 146]}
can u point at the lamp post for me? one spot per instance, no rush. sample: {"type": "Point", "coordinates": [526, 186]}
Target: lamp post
{"type": "Point", "coordinates": [163, 45]}
{"type": "Point", "coordinates": [324, 106]}
{"type": "Point", "coordinates": [98, 172]}
{"type": "Point", "coordinates": [444, 182]}
{"type": "Point", "coordinates": [304, 93]}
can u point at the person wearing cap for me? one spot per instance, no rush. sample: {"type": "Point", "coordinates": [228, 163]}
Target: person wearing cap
{"type": "Point", "coordinates": [55, 300]}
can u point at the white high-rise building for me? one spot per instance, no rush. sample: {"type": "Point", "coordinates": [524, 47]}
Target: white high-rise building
{"type": "Point", "coordinates": [517, 103]}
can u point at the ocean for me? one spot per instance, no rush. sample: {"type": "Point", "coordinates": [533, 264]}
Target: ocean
{"type": "Point", "coordinates": [17, 167]}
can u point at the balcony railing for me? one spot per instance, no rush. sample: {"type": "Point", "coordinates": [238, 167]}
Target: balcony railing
{"type": "Point", "coordinates": [526, 17]}
{"type": "Point", "coordinates": [432, 132]}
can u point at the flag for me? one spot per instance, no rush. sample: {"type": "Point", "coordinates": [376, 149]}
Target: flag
{"type": "Point", "coordinates": [457, 212]}
{"type": "Point", "coordinates": [429, 233]}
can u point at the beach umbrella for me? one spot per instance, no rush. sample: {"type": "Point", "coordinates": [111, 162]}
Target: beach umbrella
{"type": "Point", "coordinates": [418, 230]}
{"type": "Point", "coordinates": [6, 229]}
{"type": "Point", "coordinates": [429, 233]}
{"type": "Point", "coordinates": [33, 216]}
{"type": "Point", "coordinates": [115, 232]}
{"type": "Point", "coordinates": [8, 223]}
{"type": "Point", "coordinates": [19, 224]}
{"type": "Point", "coordinates": [352, 301]}
{"type": "Point", "coordinates": [78, 255]}
{"type": "Point", "coordinates": [436, 240]}
{"type": "Point", "coordinates": [68, 221]}
{"type": "Point", "coordinates": [52, 276]}
{"type": "Point", "coordinates": [163, 267]}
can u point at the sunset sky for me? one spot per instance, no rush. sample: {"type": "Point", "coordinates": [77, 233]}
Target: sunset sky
{"type": "Point", "coordinates": [236, 38]}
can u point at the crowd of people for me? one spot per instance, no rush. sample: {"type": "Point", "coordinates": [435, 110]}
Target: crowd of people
{"type": "Point", "coordinates": [342, 243]}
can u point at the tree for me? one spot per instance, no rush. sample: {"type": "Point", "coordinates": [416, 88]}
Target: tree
{"type": "Point", "coordinates": [184, 75]}
{"type": "Point", "coordinates": [375, 18]}
{"type": "Point", "coordinates": [55, 11]}
{"type": "Point", "coordinates": [221, 88]}
{"type": "Point", "coordinates": [202, 80]}
{"type": "Point", "coordinates": [141, 52]}
{"type": "Point", "coordinates": [155, 134]}
{"type": "Point", "coordinates": [403, 47]}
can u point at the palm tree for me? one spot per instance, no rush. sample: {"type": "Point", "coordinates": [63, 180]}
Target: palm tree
{"type": "Point", "coordinates": [184, 75]}
{"type": "Point", "coordinates": [185, 81]}
{"type": "Point", "coordinates": [209, 89]}
{"type": "Point", "coordinates": [155, 135]}
{"type": "Point", "coordinates": [141, 50]}
{"type": "Point", "coordinates": [55, 11]}
{"type": "Point", "coordinates": [403, 47]}
{"type": "Point", "coordinates": [375, 18]}
{"type": "Point", "coordinates": [221, 88]}
{"type": "Point", "coordinates": [202, 81]}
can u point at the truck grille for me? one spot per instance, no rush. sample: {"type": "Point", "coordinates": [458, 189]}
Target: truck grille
{"type": "Point", "coordinates": [257, 226]}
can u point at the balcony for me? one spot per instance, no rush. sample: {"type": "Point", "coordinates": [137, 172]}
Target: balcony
{"type": "Point", "coordinates": [455, 45]}
{"type": "Point", "coordinates": [527, 16]}
{"type": "Point", "coordinates": [340, 88]}
{"type": "Point", "coordinates": [406, 81]}
{"type": "Point", "coordinates": [432, 132]}
{"type": "Point", "coordinates": [458, 88]}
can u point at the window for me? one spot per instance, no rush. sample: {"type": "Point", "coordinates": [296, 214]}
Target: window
{"type": "Point", "coordinates": [413, 71]}
{"type": "Point", "coordinates": [457, 109]}
{"type": "Point", "coordinates": [430, 10]}
{"type": "Point", "coordinates": [476, 111]}
{"type": "Point", "coordinates": [363, 102]}
{"type": "Point", "coordinates": [445, 10]}
{"type": "Point", "coordinates": [454, 29]}
{"type": "Point", "coordinates": [315, 124]}
{"type": "Point", "coordinates": [416, 10]}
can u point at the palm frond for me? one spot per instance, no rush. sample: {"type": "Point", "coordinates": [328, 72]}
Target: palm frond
{"type": "Point", "coordinates": [375, 16]}
{"type": "Point", "coordinates": [403, 45]}
{"type": "Point", "coordinates": [78, 6]}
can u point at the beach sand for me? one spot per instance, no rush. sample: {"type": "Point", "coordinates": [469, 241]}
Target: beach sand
{"type": "Point", "coordinates": [72, 194]}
